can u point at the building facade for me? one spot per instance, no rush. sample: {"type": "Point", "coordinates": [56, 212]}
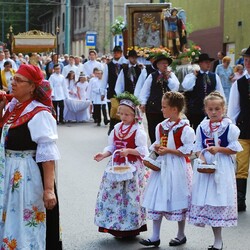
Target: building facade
{"type": "Point", "coordinates": [217, 25]}
{"type": "Point", "coordinates": [85, 17]}
{"type": "Point", "coordinates": [213, 24]}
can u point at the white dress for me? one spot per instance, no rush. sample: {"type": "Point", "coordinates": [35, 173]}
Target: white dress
{"type": "Point", "coordinates": [83, 86]}
{"type": "Point", "coordinates": [75, 109]}
{"type": "Point", "coordinates": [214, 196]}
{"type": "Point", "coordinates": [168, 190]}
{"type": "Point", "coordinates": [23, 217]}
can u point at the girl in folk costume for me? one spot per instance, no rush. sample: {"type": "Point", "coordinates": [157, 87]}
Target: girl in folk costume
{"type": "Point", "coordinates": [214, 200]}
{"type": "Point", "coordinates": [118, 208]}
{"type": "Point", "coordinates": [168, 190]}
{"type": "Point", "coordinates": [28, 202]}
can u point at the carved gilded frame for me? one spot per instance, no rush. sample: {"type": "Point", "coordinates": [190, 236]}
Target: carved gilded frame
{"type": "Point", "coordinates": [134, 13]}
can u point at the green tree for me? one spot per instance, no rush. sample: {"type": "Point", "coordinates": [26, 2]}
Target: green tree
{"type": "Point", "coordinates": [13, 12]}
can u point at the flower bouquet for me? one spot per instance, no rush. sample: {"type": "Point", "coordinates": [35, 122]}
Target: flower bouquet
{"type": "Point", "coordinates": [192, 53]}
{"type": "Point", "coordinates": [117, 26]}
{"type": "Point", "coordinates": [147, 52]}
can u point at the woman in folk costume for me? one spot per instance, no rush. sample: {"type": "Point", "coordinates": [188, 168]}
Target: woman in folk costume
{"type": "Point", "coordinates": [168, 191]}
{"type": "Point", "coordinates": [119, 208]}
{"type": "Point", "coordinates": [214, 198]}
{"type": "Point", "coordinates": [29, 209]}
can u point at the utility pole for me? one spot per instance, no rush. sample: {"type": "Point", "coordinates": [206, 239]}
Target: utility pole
{"type": "Point", "coordinates": [67, 27]}
{"type": "Point", "coordinates": [27, 16]}
{"type": "Point", "coordinates": [111, 6]}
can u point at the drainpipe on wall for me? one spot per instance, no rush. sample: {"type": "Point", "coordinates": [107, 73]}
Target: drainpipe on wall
{"type": "Point", "coordinates": [67, 27]}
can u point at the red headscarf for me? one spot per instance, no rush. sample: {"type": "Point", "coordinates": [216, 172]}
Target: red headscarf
{"type": "Point", "coordinates": [31, 72]}
{"type": "Point", "coordinates": [43, 89]}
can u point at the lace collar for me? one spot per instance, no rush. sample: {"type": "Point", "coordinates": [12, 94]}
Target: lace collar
{"type": "Point", "coordinates": [166, 124]}
{"type": "Point", "coordinates": [205, 126]}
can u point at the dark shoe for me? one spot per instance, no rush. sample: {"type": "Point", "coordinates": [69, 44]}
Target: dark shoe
{"type": "Point", "coordinates": [98, 124]}
{"type": "Point", "coordinates": [106, 122]}
{"type": "Point", "coordinates": [213, 248]}
{"type": "Point", "coordinates": [176, 242]}
{"type": "Point", "coordinates": [148, 242]}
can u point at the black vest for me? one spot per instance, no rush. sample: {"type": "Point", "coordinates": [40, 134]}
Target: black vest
{"type": "Point", "coordinates": [156, 92]}
{"type": "Point", "coordinates": [195, 98]}
{"type": "Point", "coordinates": [150, 69]}
{"type": "Point", "coordinates": [129, 85]}
{"type": "Point", "coordinates": [243, 120]}
{"type": "Point", "coordinates": [112, 77]}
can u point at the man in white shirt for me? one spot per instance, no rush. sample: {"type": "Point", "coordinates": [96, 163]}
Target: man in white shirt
{"type": "Point", "coordinates": [239, 112]}
{"type": "Point", "coordinates": [71, 67]}
{"type": "Point", "coordinates": [91, 64]}
{"type": "Point", "coordinates": [129, 75]}
{"type": "Point", "coordinates": [156, 84]}
{"type": "Point", "coordinates": [146, 71]}
{"type": "Point", "coordinates": [197, 85]}
{"type": "Point", "coordinates": [78, 64]}
{"type": "Point", "coordinates": [59, 92]}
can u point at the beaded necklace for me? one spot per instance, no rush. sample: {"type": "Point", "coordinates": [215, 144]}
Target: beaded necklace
{"type": "Point", "coordinates": [214, 126]}
{"type": "Point", "coordinates": [123, 132]}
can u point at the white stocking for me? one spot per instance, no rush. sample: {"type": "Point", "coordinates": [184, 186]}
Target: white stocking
{"type": "Point", "coordinates": [156, 229]}
{"type": "Point", "coordinates": [217, 237]}
{"type": "Point", "coordinates": [181, 228]}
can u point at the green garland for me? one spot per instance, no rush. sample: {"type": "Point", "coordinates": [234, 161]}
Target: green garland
{"type": "Point", "coordinates": [128, 96]}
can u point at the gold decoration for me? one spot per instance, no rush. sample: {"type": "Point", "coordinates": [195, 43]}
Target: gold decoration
{"type": "Point", "coordinates": [148, 18]}
{"type": "Point", "coordinates": [35, 33]}
{"type": "Point", "coordinates": [155, 25]}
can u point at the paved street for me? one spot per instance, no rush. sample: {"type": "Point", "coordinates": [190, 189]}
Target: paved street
{"type": "Point", "coordinates": [79, 178]}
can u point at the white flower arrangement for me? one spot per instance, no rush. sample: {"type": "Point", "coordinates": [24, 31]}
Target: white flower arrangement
{"type": "Point", "coordinates": [118, 26]}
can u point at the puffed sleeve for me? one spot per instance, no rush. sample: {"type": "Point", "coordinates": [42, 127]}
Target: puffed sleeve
{"type": "Point", "coordinates": [189, 82]}
{"type": "Point", "coordinates": [141, 142]}
{"type": "Point", "coordinates": [173, 82]}
{"type": "Point", "coordinates": [198, 140]}
{"type": "Point", "coordinates": [233, 135]}
{"type": "Point", "coordinates": [187, 138]}
{"type": "Point", "coordinates": [145, 91]}
{"type": "Point", "coordinates": [43, 131]}
{"type": "Point", "coordinates": [111, 147]}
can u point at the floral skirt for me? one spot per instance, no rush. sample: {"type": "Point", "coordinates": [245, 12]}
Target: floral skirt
{"type": "Point", "coordinates": [23, 224]}
{"type": "Point", "coordinates": [118, 206]}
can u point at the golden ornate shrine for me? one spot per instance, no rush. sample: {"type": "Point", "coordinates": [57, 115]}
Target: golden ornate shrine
{"type": "Point", "coordinates": [33, 41]}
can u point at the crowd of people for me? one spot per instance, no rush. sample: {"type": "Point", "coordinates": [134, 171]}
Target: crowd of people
{"type": "Point", "coordinates": [214, 126]}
